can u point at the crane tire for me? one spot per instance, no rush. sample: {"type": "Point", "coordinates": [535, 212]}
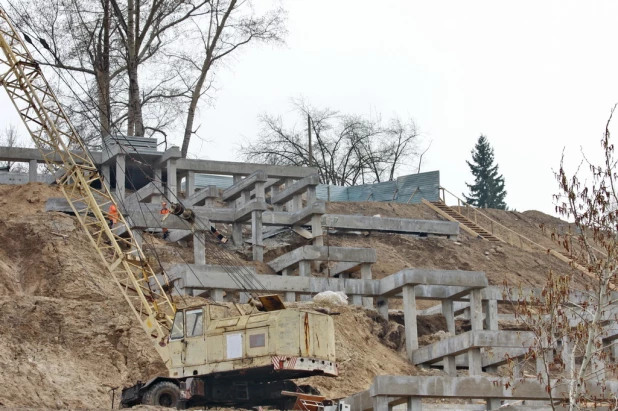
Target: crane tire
{"type": "Point", "coordinates": [162, 394]}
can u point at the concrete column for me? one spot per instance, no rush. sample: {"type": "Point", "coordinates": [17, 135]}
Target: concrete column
{"type": "Point", "coordinates": [449, 314]}
{"type": "Point", "coordinates": [382, 304]}
{"type": "Point", "coordinates": [380, 403]}
{"type": "Point", "coordinates": [298, 202]}
{"type": "Point", "coordinates": [566, 354]}
{"type": "Point", "coordinates": [156, 198]}
{"type": "Point", "coordinates": [260, 191]}
{"type": "Point", "coordinates": [256, 236]}
{"type": "Point", "coordinates": [597, 365]}
{"type": "Point", "coordinates": [105, 171]}
{"type": "Point", "coordinates": [356, 300]}
{"type": "Point", "coordinates": [199, 250]}
{"type": "Point", "coordinates": [290, 204]}
{"type": "Point", "coordinates": [493, 403]}
{"type": "Point", "coordinates": [475, 365]}
{"type": "Point", "coordinates": [366, 275]}
{"type": "Point", "coordinates": [517, 369]}
{"type": "Point", "coordinates": [491, 314]}
{"type": "Point", "coordinates": [217, 295]}
{"type": "Point", "coordinates": [237, 234]}
{"type": "Point", "coordinates": [172, 188]}
{"type": "Point", "coordinates": [179, 184]}
{"type": "Point", "coordinates": [120, 175]}
{"type": "Point", "coordinates": [409, 316]}
{"type": "Point", "coordinates": [311, 195]}
{"type": "Point", "coordinates": [290, 296]}
{"type": "Point", "coordinates": [316, 230]}
{"type": "Point", "coordinates": [476, 310]}
{"type": "Point", "coordinates": [614, 350]}
{"type": "Point", "coordinates": [414, 404]}
{"type": "Point", "coordinates": [304, 270]}
{"type": "Point", "coordinates": [450, 367]}
{"type": "Point", "coordinates": [32, 171]}
{"type": "Point", "coordinates": [274, 189]}
{"type": "Point", "coordinates": [190, 184]}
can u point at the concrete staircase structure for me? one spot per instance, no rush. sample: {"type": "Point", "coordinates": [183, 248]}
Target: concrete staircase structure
{"type": "Point", "coordinates": [467, 225]}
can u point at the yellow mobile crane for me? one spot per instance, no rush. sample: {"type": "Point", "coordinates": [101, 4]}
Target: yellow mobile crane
{"type": "Point", "coordinates": [246, 360]}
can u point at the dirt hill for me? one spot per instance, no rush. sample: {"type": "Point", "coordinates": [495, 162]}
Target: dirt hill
{"type": "Point", "coordinates": [69, 337]}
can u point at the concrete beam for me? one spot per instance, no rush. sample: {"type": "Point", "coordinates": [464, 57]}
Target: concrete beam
{"type": "Point", "coordinates": [246, 184]}
{"type": "Point", "coordinates": [297, 188]}
{"type": "Point", "coordinates": [245, 169]}
{"type": "Point", "coordinates": [172, 153]}
{"type": "Point", "coordinates": [22, 154]}
{"type": "Point", "coordinates": [391, 225]}
{"type": "Point", "coordinates": [461, 343]}
{"type": "Point", "coordinates": [473, 387]}
{"type": "Point", "coordinates": [305, 215]}
{"type": "Point", "coordinates": [210, 192]}
{"type": "Point", "coordinates": [205, 276]}
{"type": "Point", "coordinates": [469, 280]}
{"type": "Point", "coordinates": [143, 194]}
{"type": "Point", "coordinates": [316, 253]}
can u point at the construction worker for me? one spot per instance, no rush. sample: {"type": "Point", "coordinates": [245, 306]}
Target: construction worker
{"type": "Point", "coordinates": [112, 216]}
{"type": "Point", "coordinates": [164, 212]}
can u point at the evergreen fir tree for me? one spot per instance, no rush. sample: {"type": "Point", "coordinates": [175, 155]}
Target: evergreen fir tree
{"type": "Point", "coordinates": [488, 188]}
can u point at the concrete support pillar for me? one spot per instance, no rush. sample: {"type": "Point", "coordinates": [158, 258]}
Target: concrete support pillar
{"type": "Point", "coordinates": [409, 316]}
{"type": "Point", "coordinates": [597, 367]}
{"type": "Point", "coordinates": [517, 369]}
{"type": "Point", "coordinates": [382, 304]}
{"type": "Point", "coordinates": [256, 236]}
{"type": "Point", "coordinates": [450, 366]}
{"type": "Point", "coordinates": [476, 310]}
{"type": "Point", "coordinates": [566, 354]}
{"type": "Point", "coordinates": [614, 350]}
{"type": "Point", "coordinates": [449, 314]}
{"type": "Point", "coordinates": [217, 295]}
{"type": "Point", "coordinates": [179, 185]}
{"type": "Point", "coordinates": [311, 195]}
{"type": "Point", "coordinates": [121, 167]}
{"type": "Point", "coordinates": [380, 403]}
{"type": "Point", "coordinates": [274, 189]}
{"type": "Point", "coordinates": [199, 250]}
{"type": "Point", "coordinates": [237, 234]}
{"type": "Point", "coordinates": [290, 204]}
{"type": "Point", "coordinates": [304, 270]}
{"type": "Point", "coordinates": [32, 166]}
{"type": "Point", "coordinates": [476, 321]}
{"type": "Point", "coordinates": [172, 188]}
{"type": "Point", "coordinates": [493, 403]}
{"type": "Point", "coordinates": [190, 184]}
{"type": "Point", "coordinates": [243, 297]}
{"type": "Point", "coordinates": [298, 202]}
{"type": "Point", "coordinates": [356, 300]}
{"type": "Point", "coordinates": [105, 171]}
{"type": "Point", "coordinates": [316, 230]}
{"type": "Point", "coordinates": [158, 181]}
{"type": "Point", "coordinates": [414, 404]}
{"type": "Point", "coordinates": [366, 275]}
{"type": "Point", "coordinates": [290, 296]}
{"type": "Point", "coordinates": [491, 314]}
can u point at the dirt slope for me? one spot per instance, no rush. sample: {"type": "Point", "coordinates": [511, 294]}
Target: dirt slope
{"type": "Point", "coordinates": [69, 337]}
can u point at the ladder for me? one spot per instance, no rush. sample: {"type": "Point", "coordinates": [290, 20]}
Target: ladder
{"type": "Point", "coordinates": [467, 225]}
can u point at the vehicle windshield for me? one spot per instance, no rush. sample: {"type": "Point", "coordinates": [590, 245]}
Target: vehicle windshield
{"type": "Point", "coordinates": [178, 328]}
{"type": "Point", "coordinates": [195, 322]}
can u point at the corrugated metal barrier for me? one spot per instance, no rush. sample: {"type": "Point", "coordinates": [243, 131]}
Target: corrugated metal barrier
{"type": "Point", "coordinates": [405, 189]}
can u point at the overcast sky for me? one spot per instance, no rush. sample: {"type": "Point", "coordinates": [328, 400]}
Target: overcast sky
{"type": "Point", "coordinates": [533, 76]}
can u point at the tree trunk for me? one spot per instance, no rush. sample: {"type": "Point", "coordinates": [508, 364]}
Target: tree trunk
{"type": "Point", "coordinates": [102, 73]}
{"type": "Point", "coordinates": [135, 125]}
{"type": "Point", "coordinates": [197, 92]}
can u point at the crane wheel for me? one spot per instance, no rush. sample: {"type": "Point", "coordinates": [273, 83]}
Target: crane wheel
{"type": "Point", "coordinates": [163, 394]}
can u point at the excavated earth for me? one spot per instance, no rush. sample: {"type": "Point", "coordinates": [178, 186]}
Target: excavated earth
{"type": "Point", "coordinates": [69, 338]}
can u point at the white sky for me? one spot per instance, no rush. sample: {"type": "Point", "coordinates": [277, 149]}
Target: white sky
{"type": "Point", "coordinates": [534, 76]}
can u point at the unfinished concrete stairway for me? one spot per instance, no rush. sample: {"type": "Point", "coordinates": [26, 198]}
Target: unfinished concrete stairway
{"type": "Point", "coordinates": [466, 224]}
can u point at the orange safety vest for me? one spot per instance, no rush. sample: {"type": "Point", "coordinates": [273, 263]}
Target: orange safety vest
{"type": "Point", "coordinates": [113, 214]}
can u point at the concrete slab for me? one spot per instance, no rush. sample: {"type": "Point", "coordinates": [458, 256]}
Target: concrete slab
{"type": "Point", "coordinates": [472, 387]}
{"type": "Point", "coordinates": [317, 253]}
{"type": "Point", "coordinates": [391, 225]}
{"type": "Point", "coordinates": [244, 169]}
{"type": "Point", "coordinates": [200, 196]}
{"type": "Point", "coordinates": [461, 280]}
{"type": "Point", "coordinates": [143, 194]}
{"type": "Point", "coordinates": [246, 184]}
{"type": "Point", "coordinates": [22, 154]}
{"type": "Point", "coordinates": [297, 188]}
{"type": "Point", "coordinates": [461, 343]}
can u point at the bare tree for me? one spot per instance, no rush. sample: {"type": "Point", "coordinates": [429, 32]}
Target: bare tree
{"type": "Point", "coordinates": [347, 149]}
{"type": "Point", "coordinates": [228, 26]}
{"type": "Point", "coordinates": [9, 137]}
{"type": "Point", "coordinates": [570, 323]}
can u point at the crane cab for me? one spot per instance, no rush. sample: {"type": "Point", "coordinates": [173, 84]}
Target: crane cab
{"type": "Point", "coordinates": [289, 343]}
